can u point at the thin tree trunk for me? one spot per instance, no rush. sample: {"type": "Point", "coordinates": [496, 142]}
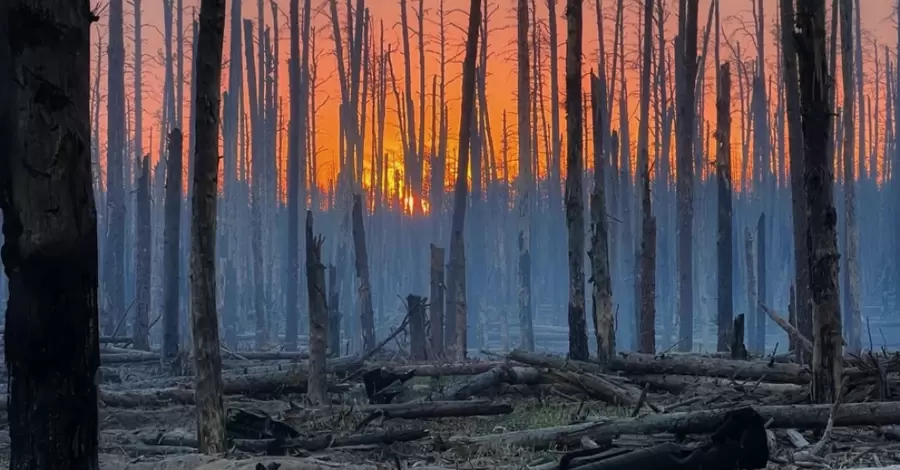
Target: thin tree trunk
{"type": "Point", "coordinates": [725, 216]}
{"type": "Point", "coordinates": [172, 240]}
{"type": "Point", "coordinates": [50, 228]}
{"type": "Point", "coordinates": [578, 346]}
{"type": "Point", "coordinates": [318, 316]}
{"type": "Point", "coordinates": [436, 303]}
{"type": "Point", "coordinates": [456, 285]}
{"type": "Point", "coordinates": [646, 262]}
{"type": "Point", "coordinates": [604, 324]}
{"type": "Point", "coordinates": [141, 333]}
{"type": "Point", "coordinates": [114, 256]}
{"type": "Point", "coordinates": [819, 184]}
{"type": "Point", "coordinates": [366, 311]}
{"type": "Point", "coordinates": [205, 320]}
{"type": "Point", "coordinates": [524, 180]}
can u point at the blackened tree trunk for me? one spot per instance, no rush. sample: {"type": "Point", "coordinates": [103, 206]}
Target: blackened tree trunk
{"type": "Point", "coordinates": [604, 324]}
{"type": "Point", "coordinates": [205, 321]}
{"type": "Point", "coordinates": [684, 180]}
{"type": "Point", "coordinates": [171, 310]}
{"type": "Point", "coordinates": [436, 304]}
{"type": "Point", "coordinates": [818, 181]}
{"type": "Point", "coordinates": [114, 257]}
{"type": "Point", "coordinates": [456, 282]}
{"type": "Point", "coordinates": [798, 191]}
{"type": "Point", "coordinates": [523, 202]}
{"type": "Point", "coordinates": [646, 263]}
{"type": "Point", "coordinates": [578, 345]}
{"type": "Point", "coordinates": [318, 315]}
{"type": "Point", "coordinates": [725, 235]}
{"type": "Point", "coordinates": [141, 333]}
{"type": "Point", "coordinates": [366, 311]}
{"type": "Point", "coordinates": [50, 235]}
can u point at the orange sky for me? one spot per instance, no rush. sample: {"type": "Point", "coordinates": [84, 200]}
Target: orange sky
{"type": "Point", "coordinates": [876, 17]}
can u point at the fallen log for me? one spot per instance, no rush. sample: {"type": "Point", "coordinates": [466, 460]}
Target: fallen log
{"type": "Point", "coordinates": [645, 364]}
{"type": "Point", "coordinates": [695, 422]}
{"type": "Point", "coordinates": [792, 332]}
{"type": "Point", "coordinates": [327, 441]}
{"type": "Point", "coordinates": [135, 357]}
{"type": "Point", "coordinates": [675, 384]}
{"type": "Point", "coordinates": [445, 370]}
{"type": "Point", "coordinates": [115, 340]}
{"type": "Point", "coordinates": [438, 409]}
{"type": "Point", "coordinates": [479, 383]}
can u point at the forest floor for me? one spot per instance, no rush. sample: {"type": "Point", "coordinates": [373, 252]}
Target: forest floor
{"type": "Point", "coordinates": [514, 411]}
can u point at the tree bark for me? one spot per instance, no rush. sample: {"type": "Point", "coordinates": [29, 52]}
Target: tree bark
{"type": "Point", "coordinates": [646, 263]}
{"type": "Point", "coordinates": [436, 304]}
{"type": "Point", "coordinates": [578, 346]}
{"type": "Point", "coordinates": [604, 322]}
{"type": "Point", "coordinates": [725, 215]}
{"type": "Point", "coordinates": [456, 285]}
{"type": "Point", "coordinates": [366, 312]}
{"type": "Point", "coordinates": [204, 316]}
{"type": "Point", "coordinates": [50, 229]}
{"type": "Point", "coordinates": [141, 333]}
{"type": "Point", "coordinates": [415, 305]}
{"type": "Point", "coordinates": [114, 248]}
{"type": "Point", "coordinates": [318, 316]}
{"type": "Point", "coordinates": [684, 181]}
{"type": "Point", "coordinates": [523, 202]}
{"type": "Point", "coordinates": [171, 310]}
{"type": "Point", "coordinates": [818, 180]}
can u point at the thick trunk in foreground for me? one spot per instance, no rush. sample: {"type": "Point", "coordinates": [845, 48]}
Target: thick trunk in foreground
{"type": "Point", "coordinates": [725, 235]}
{"type": "Point", "coordinates": [818, 181]}
{"type": "Point", "coordinates": [578, 346]}
{"type": "Point", "coordinates": [50, 229]}
{"type": "Point", "coordinates": [604, 325]}
{"type": "Point", "coordinates": [366, 311]}
{"type": "Point", "coordinates": [456, 282]}
{"type": "Point", "coordinates": [204, 317]}
{"type": "Point", "coordinates": [141, 334]}
{"type": "Point", "coordinates": [171, 311]}
{"type": "Point", "coordinates": [317, 392]}
{"type": "Point", "coordinates": [114, 256]}
{"type": "Point", "coordinates": [523, 191]}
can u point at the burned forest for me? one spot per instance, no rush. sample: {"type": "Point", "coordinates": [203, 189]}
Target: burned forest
{"type": "Point", "coordinates": [442, 234]}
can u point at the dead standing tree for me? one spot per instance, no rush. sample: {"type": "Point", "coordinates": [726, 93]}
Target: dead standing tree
{"type": "Point", "coordinates": [604, 324]}
{"type": "Point", "coordinates": [578, 345]}
{"type": "Point", "coordinates": [818, 181]}
{"type": "Point", "coordinates": [524, 183]}
{"type": "Point", "coordinates": [114, 256]}
{"type": "Point", "coordinates": [366, 311]}
{"type": "Point", "coordinates": [725, 236]}
{"type": "Point", "coordinates": [646, 263]}
{"type": "Point", "coordinates": [50, 229]}
{"type": "Point", "coordinates": [456, 282]}
{"type": "Point", "coordinates": [318, 315]}
{"type": "Point", "coordinates": [171, 307]}
{"type": "Point", "coordinates": [204, 317]}
{"type": "Point", "coordinates": [143, 278]}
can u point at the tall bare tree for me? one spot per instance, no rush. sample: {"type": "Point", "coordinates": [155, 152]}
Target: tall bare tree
{"type": "Point", "coordinates": [524, 183]}
{"type": "Point", "coordinates": [578, 345]}
{"type": "Point", "coordinates": [684, 180]}
{"type": "Point", "coordinates": [205, 321]}
{"type": "Point", "coordinates": [725, 232]}
{"type": "Point", "coordinates": [172, 240]}
{"type": "Point", "coordinates": [604, 324]}
{"type": "Point", "coordinates": [50, 235]}
{"type": "Point", "coordinates": [114, 258]}
{"type": "Point", "coordinates": [456, 282]}
{"type": "Point", "coordinates": [646, 320]}
{"type": "Point", "coordinates": [818, 181]}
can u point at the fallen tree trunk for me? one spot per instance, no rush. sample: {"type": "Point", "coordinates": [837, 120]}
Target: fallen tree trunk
{"type": "Point", "coordinates": [328, 440]}
{"type": "Point", "coordinates": [438, 409]}
{"type": "Point", "coordinates": [678, 383]}
{"type": "Point", "coordinates": [644, 364]}
{"type": "Point", "coordinates": [445, 370]}
{"type": "Point", "coordinates": [696, 422]}
{"type": "Point", "coordinates": [479, 383]}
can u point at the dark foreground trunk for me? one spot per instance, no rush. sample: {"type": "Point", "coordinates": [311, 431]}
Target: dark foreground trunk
{"type": "Point", "coordinates": [50, 230]}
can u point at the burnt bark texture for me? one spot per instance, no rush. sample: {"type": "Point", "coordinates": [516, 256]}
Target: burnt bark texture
{"type": "Point", "coordinates": [317, 385]}
{"type": "Point", "coordinates": [524, 178]}
{"type": "Point", "coordinates": [114, 257]}
{"type": "Point", "coordinates": [366, 310]}
{"type": "Point", "coordinates": [456, 282]}
{"type": "Point", "coordinates": [684, 179]}
{"type": "Point", "coordinates": [818, 182]}
{"type": "Point", "coordinates": [604, 324]}
{"type": "Point", "coordinates": [646, 262]}
{"type": "Point", "coordinates": [141, 333]}
{"type": "Point", "coordinates": [50, 234]}
{"type": "Point", "coordinates": [578, 344]}
{"type": "Point", "coordinates": [204, 317]}
{"type": "Point", "coordinates": [725, 214]}
{"type": "Point", "coordinates": [171, 307]}
{"type": "Point", "coordinates": [436, 306]}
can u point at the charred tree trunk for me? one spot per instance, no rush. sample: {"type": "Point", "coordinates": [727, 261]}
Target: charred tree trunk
{"type": "Point", "coordinates": [317, 392]}
{"type": "Point", "coordinates": [456, 282]}
{"type": "Point", "coordinates": [204, 316]}
{"type": "Point", "coordinates": [172, 240]}
{"type": "Point", "coordinates": [684, 181]}
{"type": "Point", "coordinates": [50, 236]}
{"type": "Point", "coordinates": [578, 346]}
{"type": "Point", "coordinates": [818, 181]}
{"type": "Point", "coordinates": [604, 324]}
{"type": "Point", "coordinates": [524, 179]}
{"type": "Point", "coordinates": [796, 149]}
{"type": "Point", "coordinates": [366, 311]}
{"type": "Point", "coordinates": [334, 313]}
{"type": "Point", "coordinates": [851, 321]}
{"type": "Point", "coordinates": [415, 305]}
{"type": "Point", "coordinates": [141, 333]}
{"type": "Point", "coordinates": [114, 256]}
{"type": "Point", "coordinates": [725, 235]}
{"type": "Point", "coordinates": [647, 254]}
{"type": "Point", "coordinates": [436, 305]}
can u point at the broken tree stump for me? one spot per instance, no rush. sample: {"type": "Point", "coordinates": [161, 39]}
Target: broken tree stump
{"type": "Point", "coordinates": [415, 305]}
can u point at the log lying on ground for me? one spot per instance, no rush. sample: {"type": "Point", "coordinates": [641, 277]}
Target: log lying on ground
{"type": "Point", "coordinates": [644, 364]}
{"type": "Point", "coordinates": [792, 332]}
{"type": "Point", "coordinates": [132, 357]}
{"type": "Point", "coordinates": [328, 440]}
{"type": "Point", "coordinates": [115, 340]}
{"type": "Point", "coordinates": [675, 384]}
{"type": "Point", "coordinates": [445, 370]}
{"type": "Point", "coordinates": [438, 409]}
{"type": "Point", "coordinates": [479, 383]}
{"type": "Point", "coordinates": [695, 422]}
